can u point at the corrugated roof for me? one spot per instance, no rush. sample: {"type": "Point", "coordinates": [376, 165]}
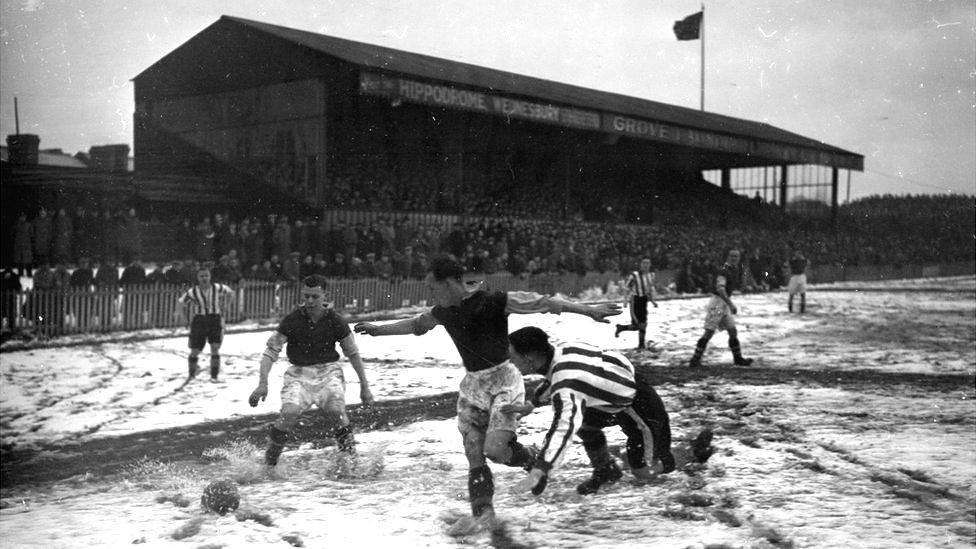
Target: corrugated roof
{"type": "Point", "coordinates": [380, 58]}
{"type": "Point", "coordinates": [388, 59]}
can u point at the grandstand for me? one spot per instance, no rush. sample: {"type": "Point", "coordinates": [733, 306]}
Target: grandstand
{"type": "Point", "coordinates": [255, 143]}
{"type": "Point", "coordinates": [272, 112]}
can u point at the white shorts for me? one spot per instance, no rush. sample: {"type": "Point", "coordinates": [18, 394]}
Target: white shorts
{"type": "Point", "coordinates": [798, 284]}
{"type": "Point", "coordinates": [718, 317]}
{"type": "Point", "coordinates": [323, 385]}
{"type": "Point", "coordinates": [481, 395]}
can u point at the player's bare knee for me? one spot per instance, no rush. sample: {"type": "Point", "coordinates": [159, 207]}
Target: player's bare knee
{"type": "Point", "coordinates": [497, 448]}
{"type": "Point", "coordinates": [474, 445]}
{"type": "Point", "coordinates": [287, 421]}
{"type": "Point", "coordinates": [335, 415]}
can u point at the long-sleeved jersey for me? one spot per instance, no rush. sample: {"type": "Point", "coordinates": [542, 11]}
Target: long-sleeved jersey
{"type": "Point", "coordinates": [479, 326]}
{"type": "Point", "coordinates": [582, 377]}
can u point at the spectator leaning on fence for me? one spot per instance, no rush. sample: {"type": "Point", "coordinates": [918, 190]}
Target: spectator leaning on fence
{"type": "Point", "coordinates": [208, 300]}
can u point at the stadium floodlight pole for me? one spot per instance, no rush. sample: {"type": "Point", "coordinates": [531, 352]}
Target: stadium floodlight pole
{"type": "Point", "coordinates": [702, 31]}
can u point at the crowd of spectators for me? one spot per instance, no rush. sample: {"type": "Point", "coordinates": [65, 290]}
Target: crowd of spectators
{"type": "Point", "coordinates": [84, 249]}
{"type": "Point", "coordinates": [55, 236]}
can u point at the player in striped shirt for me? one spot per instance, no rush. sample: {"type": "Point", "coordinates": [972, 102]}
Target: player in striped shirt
{"type": "Point", "coordinates": [207, 300]}
{"type": "Point", "coordinates": [640, 284]}
{"type": "Point", "coordinates": [591, 389]}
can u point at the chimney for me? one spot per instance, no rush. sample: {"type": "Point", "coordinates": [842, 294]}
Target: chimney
{"type": "Point", "coordinates": [22, 149]}
{"type": "Point", "coordinates": [109, 157]}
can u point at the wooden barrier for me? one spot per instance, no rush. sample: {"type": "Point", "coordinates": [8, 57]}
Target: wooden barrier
{"type": "Point", "coordinates": [143, 307]}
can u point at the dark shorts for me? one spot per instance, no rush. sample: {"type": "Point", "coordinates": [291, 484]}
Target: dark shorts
{"type": "Point", "coordinates": [206, 329]}
{"type": "Point", "coordinates": [645, 422]}
{"type": "Point", "coordinates": [638, 309]}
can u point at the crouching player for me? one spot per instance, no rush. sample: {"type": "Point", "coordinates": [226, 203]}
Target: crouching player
{"type": "Point", "coordinates": [591, 389]}
{"type": "Point", "coordinates": [311, 332]}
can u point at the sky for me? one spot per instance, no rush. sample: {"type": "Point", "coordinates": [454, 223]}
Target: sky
{"type": "Point", "coordinates": [893, 80]}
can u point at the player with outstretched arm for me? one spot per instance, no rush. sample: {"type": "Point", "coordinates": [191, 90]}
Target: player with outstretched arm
{"type": "Point", "coordinates": [477, 323]}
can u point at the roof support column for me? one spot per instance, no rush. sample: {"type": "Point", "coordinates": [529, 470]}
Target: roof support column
{"type": "Point", "coordinates": [727, 188]}
{"type": "Point", "coordinates": [834, 186]}
{"type": "Point", "coordinates": [783, 185]}
{"type": "Point", "coordinates": [321, 156]}
{"type": "Point", "coordinates": [455, 147]}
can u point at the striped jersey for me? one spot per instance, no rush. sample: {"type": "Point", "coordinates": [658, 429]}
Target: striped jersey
{"type": "Point", "coordinates": [582, 377]}
{"type": "Point", "coordinates": [642, 284]}
{"type": "Point", "coordinates": [206, 302]}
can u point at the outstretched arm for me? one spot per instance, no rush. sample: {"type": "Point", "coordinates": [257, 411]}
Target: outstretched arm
{"type": "Point", "coordinates": [418, 325]}
{"type": "Point", "coordinates": [531, 302]}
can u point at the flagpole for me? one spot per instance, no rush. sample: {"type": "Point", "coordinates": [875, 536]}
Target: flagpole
{"type": "Point", "coordinates": [702, 31]}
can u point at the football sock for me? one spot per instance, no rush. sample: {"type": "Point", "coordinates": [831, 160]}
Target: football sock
{"type": "Point", "coordinates": [481, 489]}
{"type": "Point", "coordinates": [737, 353]}
{"type": "Point", "coordinates": [276, 445]}
{"type": "Point", "coordinates": [595, 444]}
{"type": "Point", "coordinates": [789, 305]}
{"type": "Point", "coordinates": [699, 351]}
{"type": "Point", "coordinates": [803, 303]}
{"type": "Point", "coordinates": [193, 365]}
{"type": "Point", "coordinates": [521, 456]}
{"type": "Point", "coordinates": [344, 439]}
{"type": "Point", "coordinates": [605, 469]}
{"type": "Point", "coordinates": [214, 366]}
{"type": "Point", "coordinates": [640, 339]}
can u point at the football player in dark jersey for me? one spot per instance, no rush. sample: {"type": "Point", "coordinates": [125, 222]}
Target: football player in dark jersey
{"type": "Point", "coordinates": [477, 322]}
{"type": "Point", "coordinates": [720, 312]}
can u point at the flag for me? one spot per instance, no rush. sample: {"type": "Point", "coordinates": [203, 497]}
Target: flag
{"type": "Point", "coordinates": [689, 28]}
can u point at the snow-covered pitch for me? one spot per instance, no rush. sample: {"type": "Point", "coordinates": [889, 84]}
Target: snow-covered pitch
{"type": "Point", "coordinates": [856, 427]}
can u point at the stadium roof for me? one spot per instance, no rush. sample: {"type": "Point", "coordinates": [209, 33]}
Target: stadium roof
{"type": "Point", "coordinates": [231, 45]}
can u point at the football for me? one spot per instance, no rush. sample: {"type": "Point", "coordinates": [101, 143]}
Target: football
{"type": "Point", "coordinates": [220, 496]}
